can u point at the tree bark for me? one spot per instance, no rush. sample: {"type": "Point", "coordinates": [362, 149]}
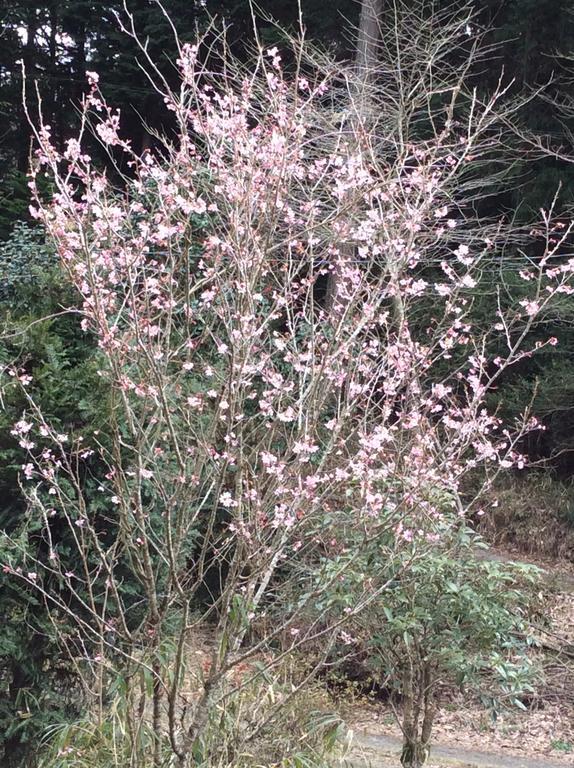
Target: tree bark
{"type": "Point", "coordinates": [29, 62]}
{"type": "Point", "coordinates": [52, 86]}
{"type": "Point", "coordinates": [368, 35]}
{"type": "Point", "coordinates": [418, 695]}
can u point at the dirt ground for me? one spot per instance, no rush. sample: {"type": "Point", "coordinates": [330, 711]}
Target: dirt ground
{"type": "Point", "coordinates": [545, 736]}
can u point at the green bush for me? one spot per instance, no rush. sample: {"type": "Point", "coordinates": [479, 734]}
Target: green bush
{"type": "Point", "coordinates": [42, 341]}
{"type": "Point", "coordinates": [451, 619]}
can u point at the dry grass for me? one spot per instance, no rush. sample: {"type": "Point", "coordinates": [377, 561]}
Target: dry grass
{"type": "Point", "coordinates": [534, 516]}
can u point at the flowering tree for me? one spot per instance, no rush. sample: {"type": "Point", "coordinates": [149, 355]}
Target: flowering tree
{"type": "Point", "coordinates": [254, 422]}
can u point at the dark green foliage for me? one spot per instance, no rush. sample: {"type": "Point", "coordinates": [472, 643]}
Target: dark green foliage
{"type": "Point", "coordinates": [37, 685]}
{"type": "Point", "coordinates": [533, 36]}
{"type": "Point", "coordinates": [25, 263]}
{"type": "Point", "coordinates": [541, 383]}
{"type": "Point", "coordinates": [14, 201]}
{"type": "Point", "coordinates": [40, 339]}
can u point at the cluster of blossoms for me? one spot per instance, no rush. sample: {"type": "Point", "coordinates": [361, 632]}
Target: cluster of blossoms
{"type": "Point", "coordinates": [206, 288]}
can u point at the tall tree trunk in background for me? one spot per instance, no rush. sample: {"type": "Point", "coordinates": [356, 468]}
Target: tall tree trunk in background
{"type": "Point", "coordinates": [368, 35]}
{"type": "Point", "coordinates": [80, 57]}
{"type": "Point", "coordinates": [366, 63]}
{"type": "Point", "coordinates": [366, 60]}
{"type": "Point", "coordinates": [29, 62]}
{"type": "Point", "coordinates": [52, 85]}
{"type": "Point", "coordinates": [75, 23]}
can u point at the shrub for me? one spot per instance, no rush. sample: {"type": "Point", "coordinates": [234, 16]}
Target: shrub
{"type": "Point", "coordinates": [451, 619]}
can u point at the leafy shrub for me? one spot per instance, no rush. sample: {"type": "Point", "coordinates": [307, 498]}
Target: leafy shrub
{"type": "Point", "coordinates": [14, 200]}
{"type": "Point", "coordinates": [449, 619]}
{"type": "Point", "coordinates": [45, 346]}
{"type": "Point", "coordinates": [25, 261]}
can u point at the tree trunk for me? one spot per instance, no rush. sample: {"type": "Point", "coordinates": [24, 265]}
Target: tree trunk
{"type": "Point", "coordinates": [418, 696]}
{"type": "Point", "coordinates": [368, 35]}
{"type": "Point", "coordinates": [414, 754]}
{"type": "Point", "coordinates": [52, 86]}
{"type": "Point", "coordinates": [29, 62]}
